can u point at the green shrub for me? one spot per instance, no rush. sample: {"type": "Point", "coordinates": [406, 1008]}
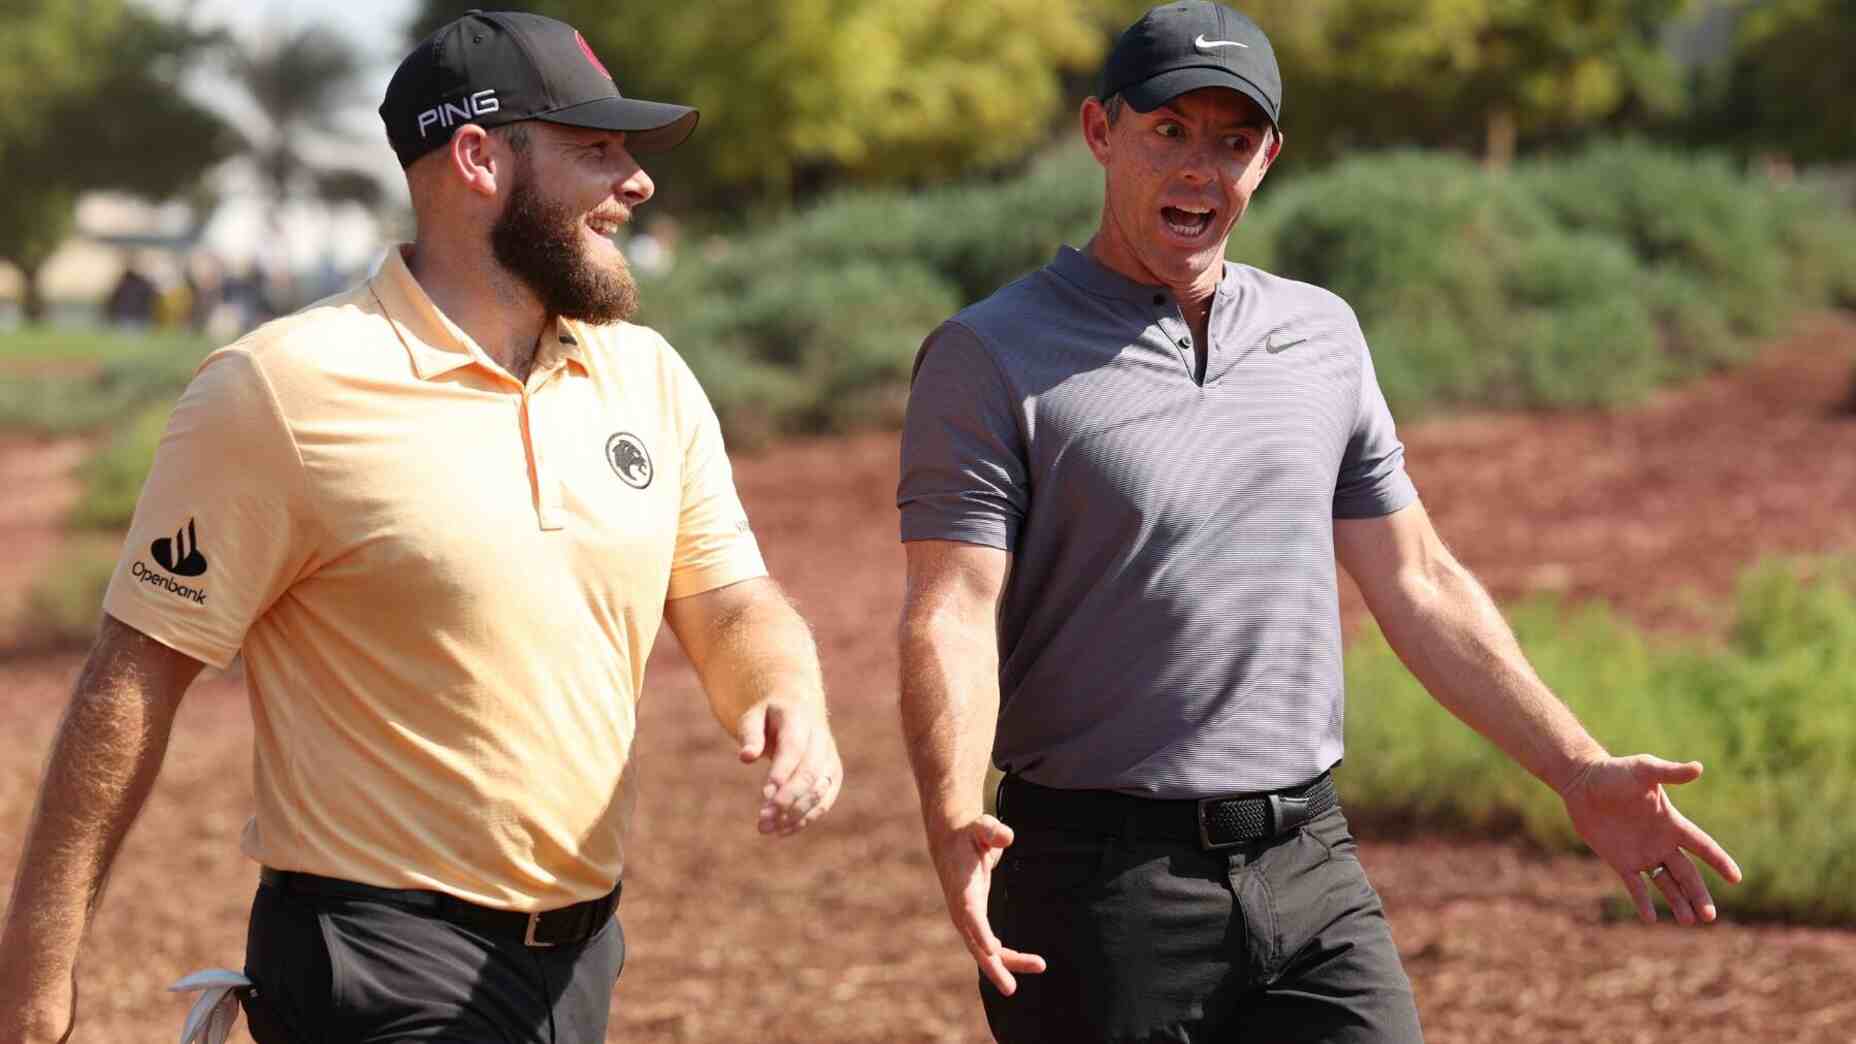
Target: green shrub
{"type": "Point", "coordinates": [1769, 716]}
{"type": "Point", "coordinates": [113, 477]}
{"type": "Point", "coordinates": [62, 382]}
{"type": "Point", "coordinates": [1691, 212]}
{"type": "Point", "coordinates": [1585, 280]}
{"type": "Point", "coordinates": [63, 607]}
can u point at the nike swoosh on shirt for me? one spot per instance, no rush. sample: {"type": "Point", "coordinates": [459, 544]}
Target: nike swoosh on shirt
{"type": "Point", "coordinates": [1278, 347]}
{"type": "Point", "coordinates": [1205, 45]}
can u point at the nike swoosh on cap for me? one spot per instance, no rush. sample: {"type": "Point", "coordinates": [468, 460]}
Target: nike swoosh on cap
{"type": "Point", "coordinates": [1205, 45]}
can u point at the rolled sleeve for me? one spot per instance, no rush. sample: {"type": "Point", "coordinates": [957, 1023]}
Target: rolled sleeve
{"type": "Point", "coordinates": [963, 469]}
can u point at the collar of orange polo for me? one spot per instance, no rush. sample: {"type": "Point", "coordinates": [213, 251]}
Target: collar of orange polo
{"type": "Point", "coordinates": [436, 344]}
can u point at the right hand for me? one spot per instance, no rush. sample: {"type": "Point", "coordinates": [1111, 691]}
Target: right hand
{"type": "Point", "coordinates": [45, 1016]}
{"type": "Point", "coordinates": [964, 858]}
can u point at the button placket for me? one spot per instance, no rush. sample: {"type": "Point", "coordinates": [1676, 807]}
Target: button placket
{"type": "Point", "coordinates": [549, 513]}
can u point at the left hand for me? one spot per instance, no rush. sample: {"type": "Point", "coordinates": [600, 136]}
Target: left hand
{"type": "Point", "coordinates": [806, 774]}
{"type": "Point", "coordinates": [1618, 806]}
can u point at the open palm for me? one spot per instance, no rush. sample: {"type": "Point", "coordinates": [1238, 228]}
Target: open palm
{"type": "Point", "coordinates": [1619, 807]}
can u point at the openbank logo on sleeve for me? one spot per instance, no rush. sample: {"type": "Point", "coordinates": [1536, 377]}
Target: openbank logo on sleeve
{"type": "Point", "coordinates": [179, 554]}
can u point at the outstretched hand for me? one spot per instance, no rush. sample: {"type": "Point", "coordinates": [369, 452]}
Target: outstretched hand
{"type": "Point", "coordinates": [805, 775]}
{"type": "Point", "coordinates": [964, 859]}
{"type": "Point", "coordinates": [1619, 807]}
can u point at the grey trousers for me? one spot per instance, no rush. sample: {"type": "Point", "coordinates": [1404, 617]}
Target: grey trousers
{"type": "Point", "coordinates": [1157, 940]}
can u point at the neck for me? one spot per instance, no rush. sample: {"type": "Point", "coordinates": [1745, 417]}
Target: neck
{"type": "Point", "coordinates": [492, 307]}
{"type": "Point", "coordinates": [1194, 295]}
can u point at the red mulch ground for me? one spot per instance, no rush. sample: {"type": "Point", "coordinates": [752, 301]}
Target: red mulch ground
{"type": "Point", "coordinates": [839, 935]}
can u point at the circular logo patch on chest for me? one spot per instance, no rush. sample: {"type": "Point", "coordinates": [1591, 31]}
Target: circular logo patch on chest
{"type": "Point", "coordinates": [629, 459]}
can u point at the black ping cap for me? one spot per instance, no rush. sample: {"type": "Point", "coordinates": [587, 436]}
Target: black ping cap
{"type": "Point", "coordinates": [1182, 47]}
{"type": "Point", "coordinates": [497, 67]}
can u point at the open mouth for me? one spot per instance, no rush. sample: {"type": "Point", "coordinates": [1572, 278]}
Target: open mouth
{"type": "Point", "coordinates": [605, 224]}
{"type": "Point", "coordinates": [1187, 222]}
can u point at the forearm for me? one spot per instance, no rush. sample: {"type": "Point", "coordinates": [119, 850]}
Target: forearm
{"type": "Point", "coordinates": [950, 710]}
{"type": "Point", "coordinates": [104, 759]}
{"type": "Point", "coordinates": [760, 649]}
{"type": "Point", "coordinates": [1450, 634]}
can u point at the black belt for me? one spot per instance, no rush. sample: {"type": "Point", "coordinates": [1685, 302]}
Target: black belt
{"type": "Point", "coordinates": [562, 927]}
{"type": "Point", "coordinates": [1214, 822]}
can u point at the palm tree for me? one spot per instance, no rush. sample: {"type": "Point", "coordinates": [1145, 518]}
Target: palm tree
{"type": "Point", "coordinates": [299, 80]}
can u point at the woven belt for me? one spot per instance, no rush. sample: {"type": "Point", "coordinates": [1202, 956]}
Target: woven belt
{"type": "Point", "coordinates": [1214, 822]}
{"type": "Point", "coordinates": [563, 927]}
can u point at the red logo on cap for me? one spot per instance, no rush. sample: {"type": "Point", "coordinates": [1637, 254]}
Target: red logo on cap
{"type": "Point", "coordinates": [587, 49]}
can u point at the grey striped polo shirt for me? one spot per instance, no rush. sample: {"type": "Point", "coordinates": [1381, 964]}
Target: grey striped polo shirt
{"type": "Point", "coordinates": [1171, 626]}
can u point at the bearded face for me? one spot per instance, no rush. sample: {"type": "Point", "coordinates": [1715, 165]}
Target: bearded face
{"type": "Point", "coordinates": [553, 250]}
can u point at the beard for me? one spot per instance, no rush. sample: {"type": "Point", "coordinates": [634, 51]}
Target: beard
{"type": "Point", "coordinates": [538, 241]}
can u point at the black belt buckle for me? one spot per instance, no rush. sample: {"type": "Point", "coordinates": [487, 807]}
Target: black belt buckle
{"type": "Point", "coordinates": [1287, 813]}
{"type": "Point", "coordinates": [1281, 814]}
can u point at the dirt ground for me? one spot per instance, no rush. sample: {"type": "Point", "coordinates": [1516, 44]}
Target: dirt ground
{"type": "Point", "coordinates": [839, 935]}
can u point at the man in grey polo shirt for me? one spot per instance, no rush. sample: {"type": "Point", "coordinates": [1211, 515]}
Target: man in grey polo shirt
{"type": "Point", "coordinates": [1125, 482]}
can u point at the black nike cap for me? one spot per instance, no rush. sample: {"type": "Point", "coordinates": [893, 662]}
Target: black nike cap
{"type": "Point", "coordinates": [1181, 47]}
{"type": "Point", "coordinates": [497, 67]}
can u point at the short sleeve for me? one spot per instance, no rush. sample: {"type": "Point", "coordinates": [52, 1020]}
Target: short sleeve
{"type": "Point", "coordinates": [1372, 479]}
{"type": "Point", "coordinates": [715, 545]}
{"type": "Point", "coordinates": [964, 474]}
{"type": "Point", "coordinates": [220, 529]}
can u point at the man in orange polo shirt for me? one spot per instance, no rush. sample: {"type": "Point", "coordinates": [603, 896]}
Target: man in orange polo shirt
{"type": "Point", "coordinates": [441, 517]}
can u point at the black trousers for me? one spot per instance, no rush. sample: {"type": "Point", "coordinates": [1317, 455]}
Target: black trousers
{"type": "Point", "coordinates": [1157, 940]}
{"type": "Point", "coordinates": [355, 971]}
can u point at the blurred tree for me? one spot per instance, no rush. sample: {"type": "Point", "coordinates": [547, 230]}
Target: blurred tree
{"type": "Point", "coordinates": [299, 80]}
{"type": "Point", "coordinates": [803, 94]}
{"type": "Point", "coordinates": [96, 108]}
{"type": "Point", "coordinates": [1789, 85]}
{"type": "Point", "coordinates": [1477, 74]}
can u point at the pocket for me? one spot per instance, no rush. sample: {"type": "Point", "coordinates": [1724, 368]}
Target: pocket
{"type": "Point", "coordinates": [1052, 864]}
{"type": "Point", "coordinates": [338, 966]}
{"type": "Point", "coordinates": [1331, 829]}
{"type": "Point", "coordinates": [287, 957]}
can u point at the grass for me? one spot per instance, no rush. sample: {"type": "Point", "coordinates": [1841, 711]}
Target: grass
{"type": "Point", "coordinates": [70, 381]}
{"type": "Point", "coordinates": [64, 606]}
{"type": "Point", "coordinates": [113, 476]}
{"type": "Point", "coordinates": [1768, 712]}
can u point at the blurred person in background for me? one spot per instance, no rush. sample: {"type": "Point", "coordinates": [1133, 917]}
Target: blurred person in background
{"type": "Point", "coordinates": [1125, 482]}
{"type": "Point", "coordinates": [132, 298]}
{"type": "Point", "coordinates": [441, 519]}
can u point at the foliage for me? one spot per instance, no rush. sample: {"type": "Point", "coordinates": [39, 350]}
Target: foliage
{"type": "Point", "coordinates": [104, 114]}
{"type": "Point", "coordinates": [803, 94]}
{"type": "Point", "coordinates": [812, 323]}
{"type": "Point", "coordinates": [61, 382]}
{"type": "Point", "coordinates": [61, 608]}
{"type": "Point", "coordinates": [113, 477]}
{"type": "Point", "coordinates": [1787, 86]}
{"type": "Point", "coordinates": [1768, 714]}
{"type": "Point", "coordinates": [1480, 75]}
{"type": "Point", "coordinates": [298, 81]}
{"type": "Point", "coordinates": [1580, 280]}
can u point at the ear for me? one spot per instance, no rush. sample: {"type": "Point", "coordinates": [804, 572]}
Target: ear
{"type": "Point", "coordinates": [1095, 128]}
{"type": "Point", "coordinates": [475, 159]}
{"type": "Point", "coordinates": [1275, 149]}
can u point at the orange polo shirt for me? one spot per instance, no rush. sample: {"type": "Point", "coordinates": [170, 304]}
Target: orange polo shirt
{"type": "Point", "coordinates": [445, 584]}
